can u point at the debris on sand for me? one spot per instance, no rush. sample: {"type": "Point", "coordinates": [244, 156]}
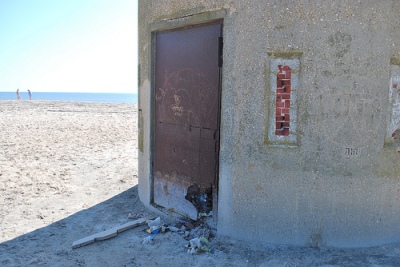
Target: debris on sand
{"type": "Point", "coordinates": [107, 234]}
{"type": "Point", "coordinates": [199, 246]}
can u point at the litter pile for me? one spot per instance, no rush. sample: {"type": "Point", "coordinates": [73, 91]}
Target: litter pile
{"type": "Point", "coordinates": [202, 201]}
{"type": "Point", "coordinates": [197, 233]}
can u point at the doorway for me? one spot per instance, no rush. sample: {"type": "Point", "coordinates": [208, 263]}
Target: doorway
{"type": "Point", "coordinates": [187, 82]}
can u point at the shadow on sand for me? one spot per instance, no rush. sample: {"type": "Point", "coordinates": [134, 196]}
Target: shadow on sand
{"type": "Point", "coordinates": [52, 245]}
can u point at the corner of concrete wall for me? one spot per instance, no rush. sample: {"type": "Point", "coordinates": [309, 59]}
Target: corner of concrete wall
{"type": "Point", "coordinates": [144, 119]}
{"type": "Point", "coordinates": [225, 208]}
{"type": "Point", "coordinates": [144, 144]}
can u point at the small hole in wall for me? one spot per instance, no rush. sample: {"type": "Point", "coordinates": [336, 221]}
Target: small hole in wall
{"type": "Point", "coordinates": [201, 199]}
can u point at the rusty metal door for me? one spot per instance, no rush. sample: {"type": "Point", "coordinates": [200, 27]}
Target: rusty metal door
{"type": "Point", "coordinates": [187, 113]}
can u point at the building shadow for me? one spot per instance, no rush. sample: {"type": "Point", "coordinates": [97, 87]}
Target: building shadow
{"type": "Point", "coordinates": [52, 244]}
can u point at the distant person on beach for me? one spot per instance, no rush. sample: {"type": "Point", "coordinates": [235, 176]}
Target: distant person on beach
{"type": "Point", "coordinates": [18, 96]}
{"type": "Point", "coordinates": [30, 94]}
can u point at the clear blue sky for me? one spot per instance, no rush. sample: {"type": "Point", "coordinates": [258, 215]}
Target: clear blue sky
{"type": "Point", "coordinates": [68, 45]}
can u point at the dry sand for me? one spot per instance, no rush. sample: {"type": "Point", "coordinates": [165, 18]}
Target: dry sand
{"type": "Point", "coordinates": [69, 170]}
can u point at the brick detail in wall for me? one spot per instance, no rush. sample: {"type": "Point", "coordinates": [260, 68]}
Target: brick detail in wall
{"type": "Point", "coordinates": [283, 93]}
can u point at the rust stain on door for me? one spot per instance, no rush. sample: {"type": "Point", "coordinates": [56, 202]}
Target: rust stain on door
{"type": "Point", "coordinates": [187, 112]}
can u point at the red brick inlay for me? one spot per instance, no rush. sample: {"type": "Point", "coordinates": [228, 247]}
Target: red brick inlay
{"type": "Point", "coordinates": [283, 88]}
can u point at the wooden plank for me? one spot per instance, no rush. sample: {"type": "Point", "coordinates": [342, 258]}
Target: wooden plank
{"type": "Point", "coordinates": [110, 233]}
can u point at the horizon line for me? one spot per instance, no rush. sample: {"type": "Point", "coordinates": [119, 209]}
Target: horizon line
{"type": "Point", "coordinates": [87, 92]}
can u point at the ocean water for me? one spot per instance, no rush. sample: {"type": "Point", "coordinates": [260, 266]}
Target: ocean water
{"type": "Point", "coordinates": [77, 97]}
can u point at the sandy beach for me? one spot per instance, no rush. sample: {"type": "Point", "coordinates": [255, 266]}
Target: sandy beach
{"type": "Point", "coordinates": [57, 155]}
{"type": "Point", "coordinates": [68, 170]}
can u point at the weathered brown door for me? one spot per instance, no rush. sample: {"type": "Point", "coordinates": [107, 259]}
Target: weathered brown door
{"type": "Point", "coordinates": [187, 112]}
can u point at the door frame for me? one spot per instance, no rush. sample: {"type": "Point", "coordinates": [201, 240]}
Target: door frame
{"type": "Point", "coordinates": [182, 22]}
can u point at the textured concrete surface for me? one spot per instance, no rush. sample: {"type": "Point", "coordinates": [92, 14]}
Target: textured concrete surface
{"type": "Point", "coordinates": [339, 185]}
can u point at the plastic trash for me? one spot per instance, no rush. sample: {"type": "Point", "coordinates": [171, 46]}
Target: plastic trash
{"type": "Point", "coordinates": [153, 230]}
{"type": "Point", "coordinates": [156, 222]}
{"type": "Point", "coordinates": [147, 240]}
{"type": "Point", "coordinates": [202, 199]}
{"type": "Point", "coordinates": [199, 245]}
{"type": "Point", "coordinates": [204, 214]}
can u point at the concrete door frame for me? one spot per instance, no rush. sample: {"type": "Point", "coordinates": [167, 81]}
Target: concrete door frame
{"type": "Point", "coordinates": [184, 20]}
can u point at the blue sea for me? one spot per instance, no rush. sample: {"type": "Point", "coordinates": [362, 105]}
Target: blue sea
{"type": "Point", "coordinates": [77, 97]}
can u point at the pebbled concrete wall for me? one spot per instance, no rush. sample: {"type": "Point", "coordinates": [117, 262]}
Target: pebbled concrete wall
{"type": "Point", "coordinates": [338, 184]}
